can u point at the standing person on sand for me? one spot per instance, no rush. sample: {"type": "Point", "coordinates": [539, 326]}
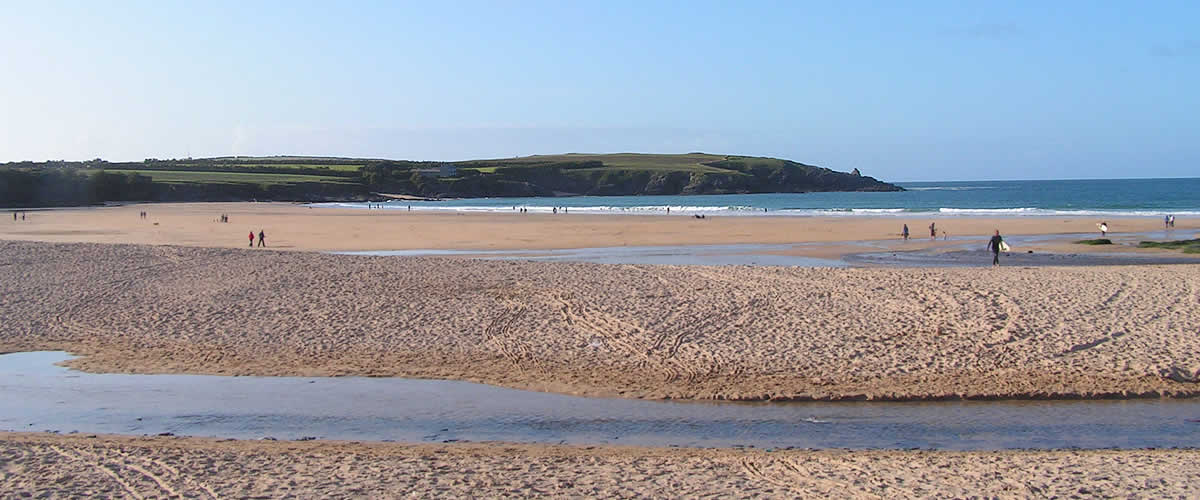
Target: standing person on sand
{"type": "Point", "coordinates": [1103, 229]}
{"type": "Point", "coordinates": [904, 232]}
{"type": "Point", "coordinates": [994, 245]}
{"type": "Point", "coordinates": [252, 239]}
{"type": "Point", "coordinates": [933, 230]}
{"type": "Point", "coordinates": [262, 238]}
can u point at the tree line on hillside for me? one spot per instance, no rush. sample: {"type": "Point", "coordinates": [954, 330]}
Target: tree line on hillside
{"type": "Point", "coordinates": [51, 187]}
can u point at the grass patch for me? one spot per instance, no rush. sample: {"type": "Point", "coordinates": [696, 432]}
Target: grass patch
{"type": "Point", "coordinates": [1097, 241]}
{"type": "Point", "coordinates": [297, 166]}
{"type": "Point", "coordinates": [483, 170]}
{"type": "Point", "coordinates": [1188, 246]}
{"type": "Point", "coordinates": [693, 162]}
{"type": "Point", "coordinates": [196, 177]}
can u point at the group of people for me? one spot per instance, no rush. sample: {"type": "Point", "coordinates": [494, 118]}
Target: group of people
{"type": "Point", "coordinates": [262, 238]}
{"type": "Point", "coordinates": [933, 232]}
{"type": "Point", "coordinates": [142, 215]}
{"type": "Point", "coordinates": [995, 245]}
{"type": "Point", "coordinates": [15, 216]}
{"type": "Point", "coordinates": [1168, 221]}
{"type": "Point", "coordinates": [224, 218]}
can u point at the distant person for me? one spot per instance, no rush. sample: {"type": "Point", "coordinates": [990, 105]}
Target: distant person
{"type": "Point", "coordinates": [262, 238]}
{"type": "Point", "coordinates": [1172, 220]}
{"type": "Point", "coordinates": [14, 216]}
{"type": "Point", "coordinates": [933, 230]}
{"type": "Point", "coordinates": [904, 232]}
{"type": "Point", "coordinates": [1166, 221]}
{"type": "Point", "coordinates": [994, 245]}
{"type": "Point", "coordinates": [1103, 229]}
{"type": "Point", "coordinates": [251, 238]}
{"type": "Point", "coordinates": [22, 215]}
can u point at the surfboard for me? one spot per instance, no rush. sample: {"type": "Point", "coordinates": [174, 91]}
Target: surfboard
{"type": "Point", "coordinates": [1004, 246]}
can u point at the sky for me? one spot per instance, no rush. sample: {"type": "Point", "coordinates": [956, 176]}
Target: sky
{"type": "Point", "coordinates": [903, 91]}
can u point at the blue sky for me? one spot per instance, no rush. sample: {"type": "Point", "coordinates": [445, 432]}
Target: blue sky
{"type": "Point", "coordinates": [900, 90]}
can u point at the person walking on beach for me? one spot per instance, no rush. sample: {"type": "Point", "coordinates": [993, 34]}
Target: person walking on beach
{"type": "Point", "coordinates": [933, 230]}
{"type": "Point", "coordinates": [1103, 229]}
{"type": "Point", "coordinates": [1172, 220]}
{"type": "Point", "coordinates": [1166, 221]}
{"type": "Point", "coordinates": [904, 232]}
{"type": "Point", "coordinates": [994, 245]}
{"type": "Point", "coordinates": [251, 238]}
{"type": "Point", "coordinates": [262, 238]}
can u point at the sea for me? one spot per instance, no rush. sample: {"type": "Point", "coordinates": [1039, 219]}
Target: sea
{"type": "Point", "coordinates": [1092, 197]}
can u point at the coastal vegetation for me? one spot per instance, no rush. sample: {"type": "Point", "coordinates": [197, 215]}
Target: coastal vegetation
{"type": "Point", "coordinates": [290, 178]}
{"type": "Point", "coordinates": [1097, 241]}
{"type": "Point", "coordinates": [1188, 246]}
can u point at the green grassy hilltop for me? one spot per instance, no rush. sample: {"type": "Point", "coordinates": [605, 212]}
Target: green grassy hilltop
{"type": "Point", "coordinates": [297, 178]}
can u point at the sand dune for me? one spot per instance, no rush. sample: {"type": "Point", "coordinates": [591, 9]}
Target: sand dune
{"type": "Point", "coordinates": [60, 466]}
{"type": "Point", "coordinates": [635, 331]}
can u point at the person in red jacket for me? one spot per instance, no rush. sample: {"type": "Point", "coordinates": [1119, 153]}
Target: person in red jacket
{"type": "Point", "coordinates": [251, 238]}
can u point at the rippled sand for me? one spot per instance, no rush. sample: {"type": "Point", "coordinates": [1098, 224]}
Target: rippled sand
{"type": "Point", "coordinates": [61, 466]}
{"type": "Point", "coordinates": [636, 331]}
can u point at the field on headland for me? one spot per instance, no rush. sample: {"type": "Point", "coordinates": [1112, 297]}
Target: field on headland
{"type": "Point", "coordinates": [57, 466]}
{"type": "Point", "coordinates": [636, 331]}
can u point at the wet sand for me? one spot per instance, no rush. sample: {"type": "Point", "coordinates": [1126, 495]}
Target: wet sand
{"type": "Point", "coordinates": [59, 466]}
{"type": "Point", "coordinates": [735, 333]}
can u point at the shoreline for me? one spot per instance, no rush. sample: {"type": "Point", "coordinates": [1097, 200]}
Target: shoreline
{"type": "Point", "coordinates": [104, 465]}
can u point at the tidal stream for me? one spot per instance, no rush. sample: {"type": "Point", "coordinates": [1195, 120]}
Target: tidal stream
{"type": "Point", "coordinates": [36, 395]}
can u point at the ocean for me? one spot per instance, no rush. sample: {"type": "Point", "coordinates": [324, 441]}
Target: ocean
{"type": "Point", "coordinates": [1099, 197]}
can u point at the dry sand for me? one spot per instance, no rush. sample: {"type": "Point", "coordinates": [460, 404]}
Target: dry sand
{"type": "Point", "coordinates": [42, 465]}
{"type": "Point", "coordinates": [295, 227]}
{"type": "Point", "coordinates": [635, 331]}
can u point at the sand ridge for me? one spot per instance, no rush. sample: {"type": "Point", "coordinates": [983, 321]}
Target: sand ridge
{"type": "Point", "coordinates": [741, 333]}
{"type": "Point", "coordinates": [89, 465]}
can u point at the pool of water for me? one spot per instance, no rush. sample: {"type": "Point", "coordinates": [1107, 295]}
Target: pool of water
{"type": "Point", "coordinates": [39, 396]}
{"type": "Point", "coordinates": [703, 255]}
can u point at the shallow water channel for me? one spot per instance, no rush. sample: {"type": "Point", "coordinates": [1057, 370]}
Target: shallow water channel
{"type": "Point", "coordinates": [36, 395]}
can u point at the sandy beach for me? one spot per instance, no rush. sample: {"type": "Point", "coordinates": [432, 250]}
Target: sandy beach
{"type": "Point", "coordinates": [298, 227]}
{"type": "Point", "coordinates": [78, 465]}
{"type": "Point", "coordinates": [741, 333]}
{"type": "Point", "coordinates": [188, 297]}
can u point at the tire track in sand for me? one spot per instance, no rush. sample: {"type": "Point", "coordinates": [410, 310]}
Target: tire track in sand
{"type": "Point", "coordinates": [99, 465]}
{"type": "Point", "coordinates": [615, 333]}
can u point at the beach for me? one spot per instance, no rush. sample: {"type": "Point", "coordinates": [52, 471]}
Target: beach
{"type": "Point", "coordinates": [695, 332]}
{"type": "Point", "coordinates": [301, 227]}
{"type": "Point", "coordinates": [72, 465]}
{"type": "Point", "coordinates": [187, 296]}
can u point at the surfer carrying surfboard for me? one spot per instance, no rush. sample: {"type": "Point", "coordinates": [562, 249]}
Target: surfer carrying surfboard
{"type": "Point", "coordinates": [994, 245]}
